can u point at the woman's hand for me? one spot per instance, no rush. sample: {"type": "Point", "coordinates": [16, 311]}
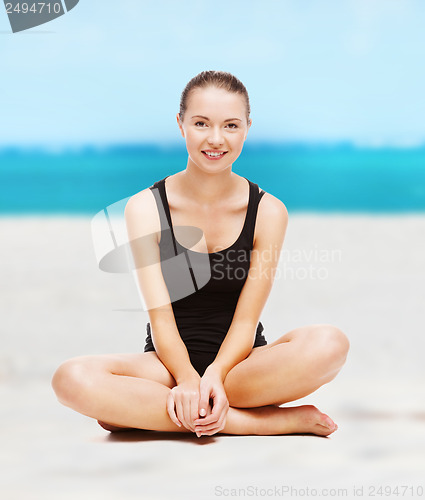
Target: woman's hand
{"type": "Point", "coordinates": [183, 403]}
{"type": "Point", "coordinates": [211, 387]}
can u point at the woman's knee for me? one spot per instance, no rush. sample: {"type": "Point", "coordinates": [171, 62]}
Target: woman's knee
{"type": "Point", "coordinates": [71, 380]}
{"type": "Point", "coordinates": [331, 347]}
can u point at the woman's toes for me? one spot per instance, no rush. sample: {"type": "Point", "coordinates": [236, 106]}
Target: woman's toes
{"type": "Point", "coordinates": [318, 422]}
{"type": "Point", "coordinates": [329, 422]}
{"type": "Point", "coordinates": [327, 428]}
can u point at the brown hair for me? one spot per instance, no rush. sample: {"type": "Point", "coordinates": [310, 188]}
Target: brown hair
{"type": "Point", "coordinates": [219, 79]}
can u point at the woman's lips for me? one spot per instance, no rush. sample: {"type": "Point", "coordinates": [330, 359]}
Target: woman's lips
{"type": "Point", "coordinates": [214, 157]}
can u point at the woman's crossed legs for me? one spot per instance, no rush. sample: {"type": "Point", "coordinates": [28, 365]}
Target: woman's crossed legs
{"type": "Point", "coordinates": [130, 390]}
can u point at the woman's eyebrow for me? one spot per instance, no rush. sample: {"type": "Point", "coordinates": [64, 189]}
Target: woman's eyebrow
{"type": "Point", "coordinates": [206, 118]}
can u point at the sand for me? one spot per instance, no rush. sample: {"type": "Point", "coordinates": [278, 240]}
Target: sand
{"type": "Point", "coordinates": [364, 274]}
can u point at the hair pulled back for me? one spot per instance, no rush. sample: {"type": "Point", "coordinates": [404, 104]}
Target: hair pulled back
{"type": "Point", "coordinates": [219, 79]}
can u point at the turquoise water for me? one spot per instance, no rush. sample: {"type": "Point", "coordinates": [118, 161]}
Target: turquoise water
{"type": "Point", "coordinates": [320, 178]}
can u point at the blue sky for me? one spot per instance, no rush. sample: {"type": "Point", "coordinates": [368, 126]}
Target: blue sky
{"type": "Point", "coordinates": [315, 70]}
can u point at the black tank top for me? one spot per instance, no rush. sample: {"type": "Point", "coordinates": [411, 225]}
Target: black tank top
{"type": "Point", "coordinates": [204, 287]}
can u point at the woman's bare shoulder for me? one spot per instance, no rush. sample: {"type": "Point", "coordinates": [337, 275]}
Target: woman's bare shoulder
{"type": "Point", "coordinates": [271, 206]}
{"type": "Point", "coordinates": [141, 211]}
{"type": "Point", "coordinates": [272, 219]}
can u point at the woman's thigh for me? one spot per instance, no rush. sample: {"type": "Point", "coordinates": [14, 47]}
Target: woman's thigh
{"type": "Point", "coordinates": [145, 365]}
{"type": "Point", "coordinates": [294, 365]}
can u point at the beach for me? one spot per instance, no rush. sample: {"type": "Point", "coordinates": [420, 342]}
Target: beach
{"type": "Point", "coordinates": [363, 273]}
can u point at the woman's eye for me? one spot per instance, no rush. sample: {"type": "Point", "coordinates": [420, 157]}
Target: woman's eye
{"type": "Point", "coordinates": [201, 124]}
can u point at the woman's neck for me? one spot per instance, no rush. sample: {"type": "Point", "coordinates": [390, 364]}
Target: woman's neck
{"type": "Point", "coordinates": [208, 189]}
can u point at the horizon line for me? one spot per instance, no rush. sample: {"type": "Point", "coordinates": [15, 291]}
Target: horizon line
{"type": "Point", "coordinates": [72, 147]}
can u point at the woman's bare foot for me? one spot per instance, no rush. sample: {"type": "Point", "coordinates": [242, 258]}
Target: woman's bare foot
{"type": "Point", "coordinates": [314, 421]}
{"type": "Point", "coordinates": [273, 420]}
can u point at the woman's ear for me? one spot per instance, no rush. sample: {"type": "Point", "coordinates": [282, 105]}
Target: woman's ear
{"type": "Point", "coordinates": [179, 123]}
{"type": "Point", "coordinates": [249, 125]}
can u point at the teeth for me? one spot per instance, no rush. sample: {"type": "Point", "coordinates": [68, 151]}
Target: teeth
{"type": "Point", "coordinates": [213, 154]}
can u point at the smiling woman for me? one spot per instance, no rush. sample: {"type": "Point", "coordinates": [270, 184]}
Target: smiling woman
{"type": "Point", "coordinates": [219, 133]}
{"type": "Point", "coordinates": [206, 366]}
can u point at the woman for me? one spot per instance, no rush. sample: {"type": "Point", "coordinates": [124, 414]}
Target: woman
{"type": "Point", "coordinates": [206, 367]}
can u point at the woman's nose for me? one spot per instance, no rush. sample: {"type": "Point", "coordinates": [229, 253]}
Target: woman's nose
{"type": "Point", "coordinates": [216, 136]}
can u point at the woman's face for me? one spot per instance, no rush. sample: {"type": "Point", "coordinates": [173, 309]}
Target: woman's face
{"type": "Point", "coordinates": [214, 121]}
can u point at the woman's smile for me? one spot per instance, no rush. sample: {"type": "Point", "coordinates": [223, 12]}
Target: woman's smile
{"type": "Point", "coordinates": [213, 155]}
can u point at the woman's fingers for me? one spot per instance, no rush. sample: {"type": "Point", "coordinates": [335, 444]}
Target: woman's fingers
{"type": "Point", "coordinates": [212, 431]}
{"type": "Point", "coordinates": [214, 426]}
{"type": "Point", "coordinates": [194, 410]}
{"type": "Point", "coordinates": [213, 423]}
{"type": "Point", "coordinates": [186, 401]}
{"type": "Point", "coordinates": [209, 410]}
{"type": "Point", "coordinates": [203, 401]}
{"type": "Point", "coordinates": [218, 408]}
{"type": "Point", "coordinates": [179, 411]}
{"type": "Point", "coordinates": [183, 414]}
{"type": "Point", "coordinates": [210, 425]}
{"type": "Point", "coordinates": [171, 410]}
{"type": "Point", "coordinates": [197, 426]}
{"type": "Point", "coordinates": [211, 418]}
{"type": "Point", "coordinates": [187, 409]}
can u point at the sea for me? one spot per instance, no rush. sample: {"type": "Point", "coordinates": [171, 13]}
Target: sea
{"type": "Point", "coordinates": [306, 177]}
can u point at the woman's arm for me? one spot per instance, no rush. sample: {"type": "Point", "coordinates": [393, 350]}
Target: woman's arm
{"type": "Point", "coordinates": [143, 228]}
{"type": "Point", "coordinates": [272, 220]}
{"type": "Point", "coordinates": [271, 224]}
